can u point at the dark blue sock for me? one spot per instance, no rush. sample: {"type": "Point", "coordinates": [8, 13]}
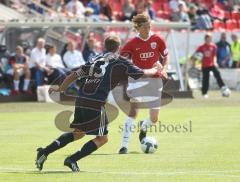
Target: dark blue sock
{"type": "Point", "coordinates": [62, 141]}
{"type": "Point", "coordinates": [87, 149]}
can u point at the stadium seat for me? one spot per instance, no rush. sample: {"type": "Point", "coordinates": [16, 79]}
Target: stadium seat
{"type": "Point", "coordinates": [217, 25]}
{"type": "Point", "coordinates": [166, 7]}
{"type": "Point", "coordinates": [235, 16]}
{"type": "Point", "coordinates": [227, 15]}
{"type": "Point", "coordinates": [231, 25]}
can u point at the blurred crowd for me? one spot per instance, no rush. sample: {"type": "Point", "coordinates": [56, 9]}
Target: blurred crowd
{"type": "Point", "coordinates": [42, 66]}
{"type": "Point", "coordinates": [203, 14]}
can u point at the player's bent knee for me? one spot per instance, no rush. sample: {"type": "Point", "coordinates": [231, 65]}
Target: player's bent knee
{"type": "Point", "coordinates": [78, 134]}
{"type": "Point", "coordinates": [101, 140]}
{"type": "Point", "coordinates": [154, 119]}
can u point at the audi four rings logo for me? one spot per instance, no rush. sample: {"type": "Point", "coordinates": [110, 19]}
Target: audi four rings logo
{"type": "Point", "coordinates": [146, 55]}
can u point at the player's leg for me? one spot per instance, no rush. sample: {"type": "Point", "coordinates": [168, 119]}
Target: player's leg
{"type": "Point", "coordinates": [147, 123]}
{"type": "Point", "coordinates": [127, 127]}
{"type": "Point", "coordinates": [220, 82]}
{"type": "Point", "coordinates": [16, 79]}
{"type": "Point", "coordinates": [27, 74]}
{"type": "Point", "coordinates": [218, 77]}
{"type": "Point", "coordinates": [205, 81]}
{"type": "Point", "coordinates": [57, 144]}
{"type": "Point", "coordinates": [86, 150]}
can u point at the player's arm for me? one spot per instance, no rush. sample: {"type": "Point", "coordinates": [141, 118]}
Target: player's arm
{"type": "Point", "coordinates": [165, 63]}
{"type": "Point", "coordinates": [81, 72]}
{"type": "Point", "coordinates": [162, 47]}
{"type": "Point", "coordinates": [136, 73]}
{"type": "Point", "coordinates": [67, 81]}
{"type": "Point", "coordinates": [156, 71]}
{"type": "Point", "coordinates": [215, 56]}
{"type": "Point", "coordinates": [193, 57]}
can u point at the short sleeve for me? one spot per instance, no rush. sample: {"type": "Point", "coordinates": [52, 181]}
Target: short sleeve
{"type": "Point", "coordinates": [199, 49]}
{"type": "Point", "coordinates": [162, 47]}
{"type": "Point", "coordinates": [133, 71]}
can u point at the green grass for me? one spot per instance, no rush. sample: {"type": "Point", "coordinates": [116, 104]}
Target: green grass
{"type": "Point", "coordinates": [209, 153]}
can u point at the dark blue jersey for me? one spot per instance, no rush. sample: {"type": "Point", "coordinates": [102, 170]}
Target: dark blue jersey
{"type": "Point", "coordinates": [111, 70]}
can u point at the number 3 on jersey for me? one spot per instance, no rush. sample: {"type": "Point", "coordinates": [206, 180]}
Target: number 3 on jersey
{"type": "Point", "coordinates": [98, 69]}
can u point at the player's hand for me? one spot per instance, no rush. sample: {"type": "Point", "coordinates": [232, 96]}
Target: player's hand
{"type": "Point", "coordinates": [54, 89]}
{"type": "Point", "coordinates": [158, 66]}
{"type": "Point", "coordinates": [161, 74]}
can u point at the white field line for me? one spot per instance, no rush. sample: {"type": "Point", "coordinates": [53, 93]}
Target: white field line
{"type": "Point", "coordinates": [224, 173]}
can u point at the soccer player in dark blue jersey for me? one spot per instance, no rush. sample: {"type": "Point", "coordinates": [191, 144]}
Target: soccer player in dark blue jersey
{"type": "Point", "coordinates": [97, 79]}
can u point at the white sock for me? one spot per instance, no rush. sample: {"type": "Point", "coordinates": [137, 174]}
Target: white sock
{"type": "Point", "coordinates": [146, 124]}
{"type": "Point", "coordinates": [26, 84]}
{"type": "Point", "coordinates": [16, 85]}
{"type": "Point", "coordinates": [127, 131]}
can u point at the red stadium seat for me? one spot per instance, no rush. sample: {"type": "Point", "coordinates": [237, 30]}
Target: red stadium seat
{"type": "Point", "coordinates": [227, 15]}
{"type": "Point", "coordinates": [231, 25]}
{"type": "Point", "coordinates": [218, 25]}
{"type": "Point", "coordinates": [235, 16]}
{"type": "Point", "coordinates": [166, 7]}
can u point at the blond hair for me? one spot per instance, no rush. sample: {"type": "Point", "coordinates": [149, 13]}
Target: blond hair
{"type": "Point", "coordinates": [139, 19]}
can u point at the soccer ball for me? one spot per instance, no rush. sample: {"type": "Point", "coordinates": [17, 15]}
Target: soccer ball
{"type": "Point", "coordinates": [198, 56]}
{"type": "Point", "coordinates": [226, 92]}
{"type": "Point", "coordinates": [149, 145]}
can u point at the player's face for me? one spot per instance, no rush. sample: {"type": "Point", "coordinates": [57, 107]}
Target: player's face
{"type": "Point", "coordinates": [145, 28]}
{"type": "Point", "coordinates": [208, 40]}
{"type": "Point", "coordinates": [18, 52]}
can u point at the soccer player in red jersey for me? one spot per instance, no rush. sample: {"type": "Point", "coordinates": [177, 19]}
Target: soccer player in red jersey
{"type": "Point", "coordinates": [145, 50]}
{"type": "Point", "coordinates": [208, 51]}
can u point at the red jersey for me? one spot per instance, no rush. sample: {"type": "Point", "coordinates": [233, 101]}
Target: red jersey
{"type": "Point", "coordinates": [145, 53]}
{"type": "Point", "coordinates": [209, 52]}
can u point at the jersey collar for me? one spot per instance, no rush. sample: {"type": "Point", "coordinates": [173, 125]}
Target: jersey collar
{"type": "Point", "coordinates": [149, 35]}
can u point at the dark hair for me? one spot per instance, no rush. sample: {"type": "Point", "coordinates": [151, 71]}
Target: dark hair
{"type": "Point", "coordinates": [208, 35]}
{"type": "Point", "coordinates": [112, 43]}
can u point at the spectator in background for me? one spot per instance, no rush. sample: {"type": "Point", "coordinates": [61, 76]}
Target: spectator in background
{"type": "Point", "coordinates": [76, 8]}
{"type": "Point", "coordinates": [182, 15]}
{"type": "Point", "coordinates": [223, 52]}
{"type": "Point", "coordinates": [89, 16]}
{"type": "Point", "coordinates": [174, 9]}
{"type": "Point", "coordinates": [151, 12]}
{"type": "Point", "coordinates": [73, 59]}
{"type": "Point", "coordinates": [65, 12]}
{"type": "Point", "coordinates": [127, 10]}
{"type": "Point", "coordinates": [19, 67]}
{"type": "Point", "coordinates": [38, 61]}
{"type": "Point", "coordinates": [235, 48]}
{"type": "Point", "coordinates": [94, 4]}
{"type": "Point", "coordinates": [208, 50]}
{"type": "Point", "coordinates": [89, 49]}
{"type": "Point", "coordinates": [36, 8]}
{"type": "Point", "coordinates": [5, 79]}
{"type": "Point", "coordinates": [141, 8]}
{"type": "Point", "coordinates": [55, 64]}
{"type": "Point", "coordinates": [193, 16]}
{"type": "Point", "coordinates": [105, 10]}
{"type": "Point", "coordinates": [204, 20]}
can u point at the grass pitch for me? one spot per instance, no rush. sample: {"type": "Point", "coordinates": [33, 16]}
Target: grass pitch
{"type": "Point", "coordinates": [209, 153]}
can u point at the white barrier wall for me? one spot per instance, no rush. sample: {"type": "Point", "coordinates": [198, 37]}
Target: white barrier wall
{"type": "Point", "coordinates": [231, 77]}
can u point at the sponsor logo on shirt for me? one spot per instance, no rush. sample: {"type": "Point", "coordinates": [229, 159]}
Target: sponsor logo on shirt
{"type": "Point", "coordinates": [153, 45]}
{"type": "Point", "coordinates": [146, 55]}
